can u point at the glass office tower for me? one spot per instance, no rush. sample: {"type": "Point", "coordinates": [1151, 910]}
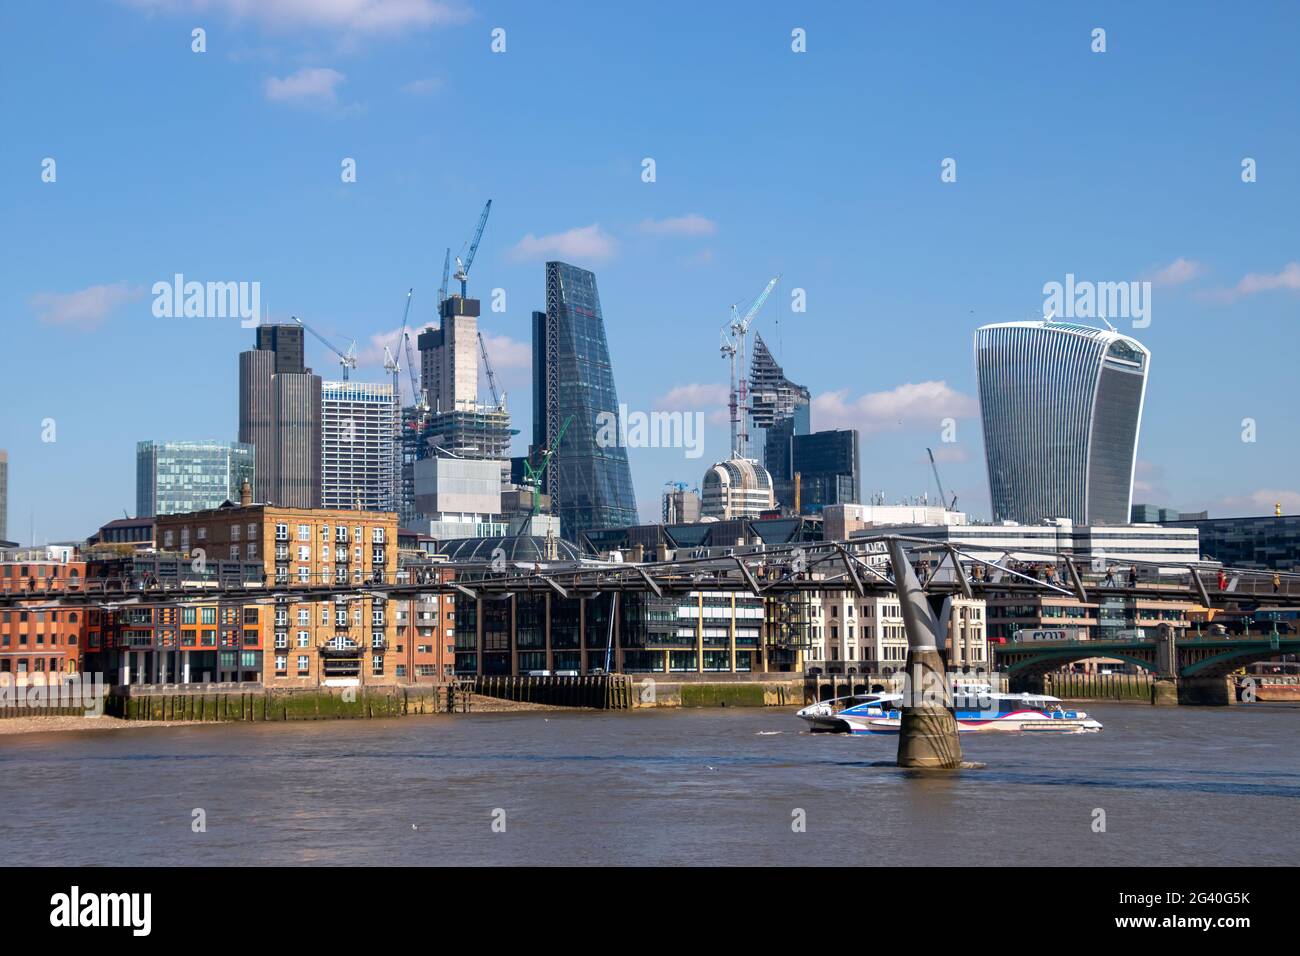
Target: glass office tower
{"type": "Point", "coordinates": [778, 410]}
{"type": "Point", "coordinates": [828, 467]}
{"type": "Point", "coordinates": [573, 381]}
{"type": "Point", "coordinates": [1061, 404]}
{"type": "Point", "coordinates": [173, 477]}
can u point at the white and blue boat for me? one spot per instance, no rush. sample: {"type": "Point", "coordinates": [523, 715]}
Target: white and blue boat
{"type": "Point", "coordinates": [978, 710]}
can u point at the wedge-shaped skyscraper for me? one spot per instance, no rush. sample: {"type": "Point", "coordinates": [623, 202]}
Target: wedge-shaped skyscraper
{"type": "Point", "coordinates": [1061, 404]}
{"type": "Point", "coordinates": [573, 381]}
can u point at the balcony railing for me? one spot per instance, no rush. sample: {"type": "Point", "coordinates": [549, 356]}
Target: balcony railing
{"type": "Point", "coordinates": [351, 650]}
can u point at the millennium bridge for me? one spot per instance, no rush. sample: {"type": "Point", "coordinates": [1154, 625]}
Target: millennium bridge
{"type": "Point", "coordinates": [924, 574]}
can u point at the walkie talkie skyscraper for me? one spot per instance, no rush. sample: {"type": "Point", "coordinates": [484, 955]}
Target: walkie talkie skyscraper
{"type": "Point", "coordinates": [1061, 404]}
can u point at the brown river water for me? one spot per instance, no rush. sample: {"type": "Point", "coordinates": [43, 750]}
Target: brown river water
{"type": "Point", "coordinates": [1188, 785]}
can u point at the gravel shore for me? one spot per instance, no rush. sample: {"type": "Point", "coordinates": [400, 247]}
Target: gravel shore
{"type": "Point", "coordinates": [36, 725]}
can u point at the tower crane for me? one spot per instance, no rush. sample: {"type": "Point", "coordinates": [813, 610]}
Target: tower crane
{"type": "Point", "coordinates": [420, 400]}
{"type": "Point", "coordinates": [533, 476]}
{"type": "Point", "coordinates": [943, 498]}
{"type": "Point", "coordinates": [497, 400]}
{"type": "Point", "coordinates": [446, 272]}
{"type": "Point", "coordinates": [347, 359]}
{"type": "Point", "coordinates": [393, 358]}
{"type": "Point", "coordinates": [462, 268]}
{"type": "Point", "coordinates": [733, 347]}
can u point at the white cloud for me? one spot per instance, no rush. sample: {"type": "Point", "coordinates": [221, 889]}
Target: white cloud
{"type": "Point", "coordinates": [914, 404]}
{"type": "Point", "coordinates": [1288, 278]}
{"type": "Point", "coordinates": [586, 242]}
{"type": "Point", "coordinates": [1256, 282]}
{"type": "Point", "coordinates": [692, 224]}
{"type": "Point", "coordinates": [506, 352]}
{"type": "Point", "coordinates": [1259, 502]}
{"type": "Point", "coordinates": [372, 354]}
{"type": "Point", "coordinates": [344, 16]}
{"type": "Point", "coordinates": [85, 309]}
{"type": "Point", "coordinates": [425, 87]}
{"type": "Point", "coordinates": [310, 86]}
{"type": "Point", "coordinates": [947, 454]}
{"type": "Point", "coordinates": [1177, 272]}
{"type": "Point", "coordinates": [712, 399]}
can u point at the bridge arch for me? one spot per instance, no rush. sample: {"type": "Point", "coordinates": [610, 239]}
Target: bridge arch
{"type": "Point", "coordinates": [1225, 662]}
{"type": "Point", "coordinates": [1037, 663]}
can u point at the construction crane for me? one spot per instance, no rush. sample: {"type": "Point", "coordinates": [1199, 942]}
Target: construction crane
{"type": "Point", "coordinates": [733, 347]}
{"type": "Point", "coordinates": [446, 271]}
{"type": "Point", "coordinates": [497, 400]}
{"type": "Point", "coordinates": [392, 358]}
{"type": "Point", "coordinates": [462, 268]}
{"type": "Point", "coordinates": [533, 476]}
{"type": "Point", "coordinates": [347, 359]}
{"type": "Point", "coordinates": [943, 498]}
{"type": "Point", "coordinates": [420, 400]}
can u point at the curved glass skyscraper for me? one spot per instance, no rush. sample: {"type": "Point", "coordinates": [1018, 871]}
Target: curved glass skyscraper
{"type": "Point", "coordinates": [1061, 404]}
{"type": "Point", "coordinates": [573, 381]}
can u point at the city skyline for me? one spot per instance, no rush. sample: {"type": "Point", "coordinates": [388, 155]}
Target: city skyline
{"type": "Point", "coordinates": [880, 344]}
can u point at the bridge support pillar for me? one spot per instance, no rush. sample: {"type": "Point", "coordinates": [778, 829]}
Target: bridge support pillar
{"type": "Point", "coordinates": [927, 734]}
{"type": "Point", "coordinates": [1207, 691]}
{"type": "Point", "coordinates": [1164, 692]}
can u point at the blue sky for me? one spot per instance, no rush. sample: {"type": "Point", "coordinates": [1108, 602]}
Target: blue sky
{"type": "Point", "coordinates": [822, 165]}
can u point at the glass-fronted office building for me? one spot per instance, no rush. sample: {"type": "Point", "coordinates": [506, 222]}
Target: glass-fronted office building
{"type": "Point", "coordinates": [779, 410]}
{"type": "Point", "coordinates": [173, 477]}
{"type": "Point", "coordinates": [1061, 404]}
{"type": "Point", "coordinates": [827, 464]}
{"type": "Point", "coordinates": [573, 381]}
{"type": "Point", "coordinates": [359, 452]}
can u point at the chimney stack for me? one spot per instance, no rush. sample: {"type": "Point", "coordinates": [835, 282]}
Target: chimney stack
{"type": "Point", "coordinates": [245, 494]}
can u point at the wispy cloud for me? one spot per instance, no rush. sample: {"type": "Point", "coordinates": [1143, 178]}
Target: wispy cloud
{"type": "Point", "coordinates": [1288, 278]}
{"type": "Point", "coordinates": [425, 87]}
{"type": "Point", "coordinates": [950, 454]}
{"type": "Point", "coordinates": [923, 404]}
{"type": "Point", "coordinates": [310, 86]}
{"type": "Point", "coordinates": [372, 353]}
{"type": "Point", "coordinates": [692, 224]}
{"type": "Point", "coordinates": [1259, 502]}
{"type": "Point", "coordinates": [586, 242]}
{"type": "Point", "coordinates": [506, 352]}
{"type": "Point", "coordinates": [85, 309]}
{"type": "Point", "coordinates": [1176, 273]}
{"type": "Point", "coordinates": [1148, 479]}
{"type": "Point", "coordinates": [708, 397]}
{"type": "Point", "coordinates": [342, 16]}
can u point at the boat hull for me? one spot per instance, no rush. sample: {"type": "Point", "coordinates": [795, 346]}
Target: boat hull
{"type": "Point", "coordinates": [1075, 723]}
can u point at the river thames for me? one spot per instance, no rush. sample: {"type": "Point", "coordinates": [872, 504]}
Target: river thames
{"type": "Point", "coordinates": [1197, 786]}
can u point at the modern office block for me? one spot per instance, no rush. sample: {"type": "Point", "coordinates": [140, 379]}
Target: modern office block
{"type": "Point", "coordinates": [736, 488]}
{"type": "Point", "coordinates": [180, 476]}
{"type": "Point", "coordinates": [779, 410]}
{"type": "Point", "coordinates": [358, 432]}
{"type": "Point", "coordinates": [4, 495]}
{"type": "Point", "coordinates": [590, 484]}
{"type": "Point", "coordinates": [828, 468]}
{"type": "Point", "coordinates": [279, 415]}
{"type": "Point", "coordinates": [1061, 405]}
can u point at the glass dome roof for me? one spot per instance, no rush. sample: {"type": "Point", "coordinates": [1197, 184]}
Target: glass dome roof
{"type": "Point", "coordinates": [528, 548]}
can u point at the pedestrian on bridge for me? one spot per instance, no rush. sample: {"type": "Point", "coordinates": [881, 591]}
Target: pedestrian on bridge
{"type": "Point", "coordinates": [1133, 576]}
{"type": "Point", "coordinates": [1223, 580]}
{"type": "Point", "coordinates": [1110, 577]}
{"type": "Point", "coordinates": [1277, 582]}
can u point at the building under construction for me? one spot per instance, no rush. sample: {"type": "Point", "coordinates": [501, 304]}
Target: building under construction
{"type": "Point", "coordinates": [472, 430]}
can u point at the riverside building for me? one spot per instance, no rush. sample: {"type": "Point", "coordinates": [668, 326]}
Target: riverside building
{"type": "Point", "coordinates": [347, 641]}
